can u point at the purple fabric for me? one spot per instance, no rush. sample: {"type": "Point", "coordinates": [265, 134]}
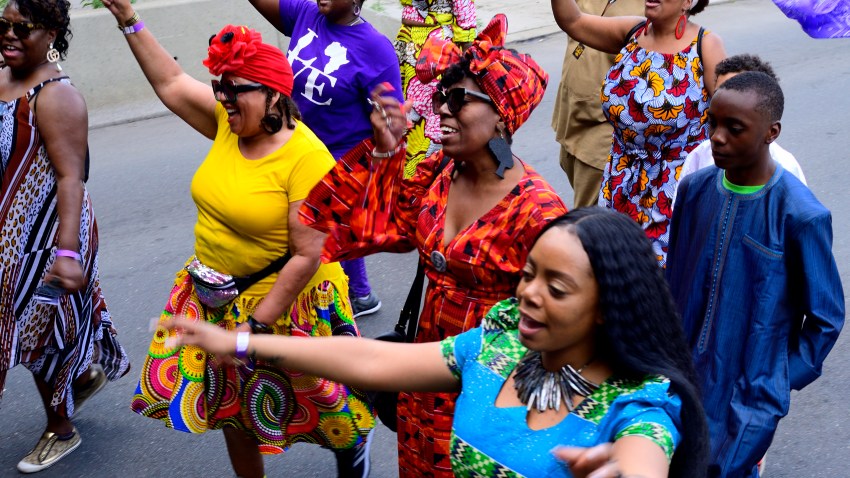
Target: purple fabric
{"type": "Point", "coordinates": [336, 67]}
{"type": "Point", "coordinates": [358, 281]}
{"type": "Point", "coordinates": [819, 18]}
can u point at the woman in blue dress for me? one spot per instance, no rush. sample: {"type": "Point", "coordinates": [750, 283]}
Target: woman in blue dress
{"type": "Point", "coordinates": [590, 351]}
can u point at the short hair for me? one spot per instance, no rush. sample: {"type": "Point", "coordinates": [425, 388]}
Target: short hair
{"type": "Point", "coordinates": [744, 62]}
{"type": "Point", "coordinates": [641, 333]}
{"type": "Point", "coordinates": [53, 14]}
{"type": "Point", "coordinates": [699, 6]}
{"type": "Point", "coordinates": [771, 100]}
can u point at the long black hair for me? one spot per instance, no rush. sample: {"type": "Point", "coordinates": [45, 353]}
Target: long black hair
{"type": "Point", "coordinates": [53, 14]}
{"type": "Point", "coordinates": [641, 333]}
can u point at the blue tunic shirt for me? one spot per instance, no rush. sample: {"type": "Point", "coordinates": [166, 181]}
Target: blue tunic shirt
{"type": "Point", "coordinates": [756, 284]}
{"type": "Point", "coordinates": [493, 441]}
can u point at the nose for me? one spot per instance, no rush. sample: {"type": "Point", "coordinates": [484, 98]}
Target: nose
{"type": "Point", "coordinates": [717, 135]}
{"type": "Point", "coordinates": [529, 293]}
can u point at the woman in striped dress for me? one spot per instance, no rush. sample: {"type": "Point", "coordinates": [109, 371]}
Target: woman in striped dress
{"type": "Point", "coordinates": [47, 230]}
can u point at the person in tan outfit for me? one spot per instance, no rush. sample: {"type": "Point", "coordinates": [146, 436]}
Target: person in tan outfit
{"type": "Point", "coordinates": [580, 127]}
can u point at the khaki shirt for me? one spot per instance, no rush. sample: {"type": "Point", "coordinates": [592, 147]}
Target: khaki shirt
{"type": "Point", "coordinates": [578, 121]}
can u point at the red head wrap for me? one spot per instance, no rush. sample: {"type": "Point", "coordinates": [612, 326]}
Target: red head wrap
{"type": "Point", "coordinates": [241, 51]}
{"type": "Point", "coordinates": [513, 81]}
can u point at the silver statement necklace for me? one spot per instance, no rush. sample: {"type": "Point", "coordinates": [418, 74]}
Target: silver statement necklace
{"type": "Point", "coordinates": [541, 389]}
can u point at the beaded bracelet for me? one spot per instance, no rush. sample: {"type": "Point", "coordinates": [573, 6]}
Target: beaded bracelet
{"type": "Point", "coordinates": [388, 154]}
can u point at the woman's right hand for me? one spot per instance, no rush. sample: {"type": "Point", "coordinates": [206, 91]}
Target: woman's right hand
{"type": "Point", "coordinates": [389, 122]}
{"type": "Point", "coordinates": [121, 9]}
{"type": "Point", "coordinates": [211, 338]}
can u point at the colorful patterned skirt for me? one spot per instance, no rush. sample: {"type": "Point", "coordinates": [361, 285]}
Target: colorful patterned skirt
{"type": "Point", "coordinates": [423, 138]}
{"type": "Point", "coordinates": [192, 391]}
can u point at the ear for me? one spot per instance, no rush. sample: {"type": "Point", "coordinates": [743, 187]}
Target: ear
{"type": "Point", "coordinates": [773, 132]}
{"type": "Point", "coordinates": [501, 129]}
{"type": "Point", "coordinates": [51, 35]}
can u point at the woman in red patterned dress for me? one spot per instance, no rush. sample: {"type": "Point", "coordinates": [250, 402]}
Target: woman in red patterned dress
{"type": "Point", "coordinates": [473, 220]}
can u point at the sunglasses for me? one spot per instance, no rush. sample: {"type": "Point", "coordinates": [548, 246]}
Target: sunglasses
{"type": "Point", "coordinates": [455, 99]}
{"type": "Point", "coordinates": [22, 29]}
{"type": "Point", "coordinates": [229, 91]}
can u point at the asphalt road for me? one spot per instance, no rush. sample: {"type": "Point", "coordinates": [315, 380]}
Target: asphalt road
{"type": "Point", "coordinates": [140, 185]}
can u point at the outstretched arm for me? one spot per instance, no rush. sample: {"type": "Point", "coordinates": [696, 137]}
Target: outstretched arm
{"type": "Point", "coordinates": [628, 456]}
{"type": "Point", "coordinates": [363, 363]}
{"type": "Point", "coordinates": [606, 34]}
{"type": "Point", "coordinates": [185, 96]}
{"type": "Point", "coordinates": [270, 9]}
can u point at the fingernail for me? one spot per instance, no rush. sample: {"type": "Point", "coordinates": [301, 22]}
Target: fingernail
{"type": "Point", "coordinates": [388, 86]}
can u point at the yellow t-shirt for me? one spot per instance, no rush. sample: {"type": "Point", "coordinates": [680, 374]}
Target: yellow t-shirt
{"type": "Point", "coordinates": [243, 204]}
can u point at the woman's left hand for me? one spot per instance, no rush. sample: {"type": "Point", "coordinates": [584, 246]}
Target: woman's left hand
{"type": "Point", "coordinates": [68, 272]}
{"type": "Point", "coordinates": [389, 122]}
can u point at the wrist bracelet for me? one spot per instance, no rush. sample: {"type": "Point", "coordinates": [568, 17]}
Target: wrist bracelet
{"type": "Point", "coordinates": [242, 339]}
{"type": "Point", "coordinates": [134, 28]}
{"type": "Point", "coordinates": [68, 253]}
{"type": "Point", "coordinates": [130, 21]}
{"type": "Point", "coordinates": [258, 327]}
{"type": "Point", "coordinates": [388, 154]}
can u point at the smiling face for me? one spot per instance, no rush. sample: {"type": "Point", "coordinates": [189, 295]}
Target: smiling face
{"type": "Point", "coordinates": [468, 131]}
{"type": "Point", "coordinates": [244, 114]}
{"type": "Point", "coordinates": [740, 133]}
{"type": "Point", "coordinates": [559, 300]}
{"type": "Point", "coordinates": [24, 53]}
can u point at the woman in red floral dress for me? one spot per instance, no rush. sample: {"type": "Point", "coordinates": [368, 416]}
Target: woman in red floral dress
{"type": "Point", "coordinates": [473, 220]}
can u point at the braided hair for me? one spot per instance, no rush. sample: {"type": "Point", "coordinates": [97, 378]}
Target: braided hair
{"type": "Point", "coordinates": [284, 107]}
{"type": "Point", "coordinates": [641, 332]}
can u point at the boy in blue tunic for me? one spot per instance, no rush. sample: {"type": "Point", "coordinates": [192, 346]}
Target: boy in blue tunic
{"type": "Point", "coordinates": [753, 275]}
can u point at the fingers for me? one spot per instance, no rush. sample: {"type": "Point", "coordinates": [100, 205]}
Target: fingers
{"type": "Point", "coordinates": [591, 462]}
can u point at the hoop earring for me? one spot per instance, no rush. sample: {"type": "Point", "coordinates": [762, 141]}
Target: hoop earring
{"type": "Point", "coordinates": [356, 9]}
{"type": "Point", "coordinates": [680, 27]}
{"type": "Point", "coordinates": [53, 56]}
{"type": "Point", "coordinates": [271, 123]}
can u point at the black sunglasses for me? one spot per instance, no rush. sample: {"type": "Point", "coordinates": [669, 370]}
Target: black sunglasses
{"type": "Point", "coordinates": [22, 29]}
{"type": "Point", "coordinates": [455, 99]}
{"type": "Point", "coordinates": [229, 91]}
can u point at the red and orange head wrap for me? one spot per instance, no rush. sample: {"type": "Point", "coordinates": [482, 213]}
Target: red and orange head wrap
{"type": "Point", "coordinates": [514, 81]}
{"type": "Point", "coordinates": [241, 51]}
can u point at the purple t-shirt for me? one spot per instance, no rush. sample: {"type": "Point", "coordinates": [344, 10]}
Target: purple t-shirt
{"type": "Point", "coordinates": [336, 67]}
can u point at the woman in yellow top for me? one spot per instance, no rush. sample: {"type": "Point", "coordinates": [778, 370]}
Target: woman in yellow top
{"type": "Point", "coordinates": [262, 164]}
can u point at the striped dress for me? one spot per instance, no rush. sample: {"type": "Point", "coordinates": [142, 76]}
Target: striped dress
{"type": "Point", "coordinates": [56, 343]}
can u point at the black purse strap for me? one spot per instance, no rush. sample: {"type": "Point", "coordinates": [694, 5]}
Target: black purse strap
{"type": "Point", "coordinates": [243, 283]}
{"type": "Point", "coordinates": [408, 319]}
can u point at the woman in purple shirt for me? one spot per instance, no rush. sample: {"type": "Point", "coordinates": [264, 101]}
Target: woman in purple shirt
{"type": "Point", "coordinates": [337, 58]}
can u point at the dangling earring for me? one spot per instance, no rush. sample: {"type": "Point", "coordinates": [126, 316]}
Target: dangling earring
{"type": "Point", "coordinates": [501, 151]}
{"type": "Point", "coordinates": [356, 9]}
{"type": "Point", "coordinates": [680, 27]}
{"type": "Point", "coordinates": [53, 56]}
